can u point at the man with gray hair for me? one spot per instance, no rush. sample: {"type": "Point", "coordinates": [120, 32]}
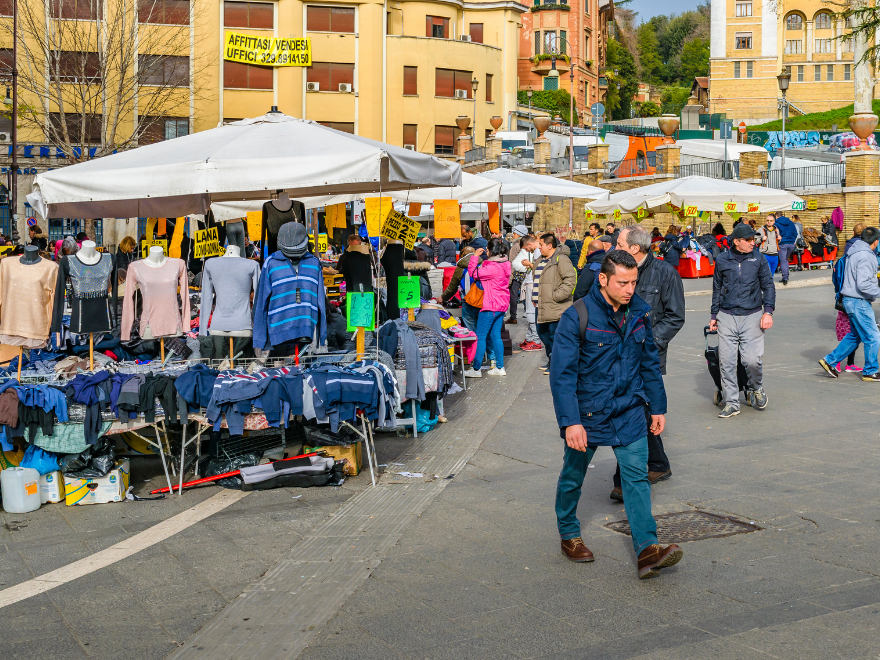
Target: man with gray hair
{"type": "Point", "coordinates": [659, 285]}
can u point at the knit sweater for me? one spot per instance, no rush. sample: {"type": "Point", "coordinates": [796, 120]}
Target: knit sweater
{"type": "Point", "coordinates": [289, 302]}
{"type": "Point", "coordinates": [27, 293]}
{"type": "Point", "coordinates": [227, 284]}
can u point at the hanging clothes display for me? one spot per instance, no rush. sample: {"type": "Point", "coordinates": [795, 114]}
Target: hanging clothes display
{"type": "Point", "coordinates": [275, 218]}
{"type": "Point", "coordinates": [162, 313]}
{"type": "Point", "coordinates": [227, 285]}
{"type": "Point", "coordinates": [33, 287]}
{"type": "Point", "coordinates": [92, 295]}
{"type": "Point", "coordinates": [356, 266]}
{"type": "Point", "coordinates": [392, 262]}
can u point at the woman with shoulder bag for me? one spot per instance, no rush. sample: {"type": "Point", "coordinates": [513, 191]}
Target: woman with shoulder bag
{"type": "Point", "coordinates": [494, 276]}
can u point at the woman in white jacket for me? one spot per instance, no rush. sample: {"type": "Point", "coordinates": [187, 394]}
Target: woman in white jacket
{"type": "Point", "coordinates": [522, 266]}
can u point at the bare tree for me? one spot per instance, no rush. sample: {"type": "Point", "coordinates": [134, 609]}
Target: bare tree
{"type": "Point", "coordinates": [98, 76]}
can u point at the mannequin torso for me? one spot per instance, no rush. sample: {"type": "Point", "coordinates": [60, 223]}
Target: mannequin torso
{"type": "Point", "coordinates": [232, 251]}
{"type": "Point", "coordinates": [238, 279]}
{"type": "Point", "coordinates": [31, 255]}
{"type": "Point", "coordinates": [156, 258]}
{"type": "Point", "coordinates": [88, 254]}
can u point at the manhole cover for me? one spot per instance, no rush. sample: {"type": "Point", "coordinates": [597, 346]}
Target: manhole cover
{"type": "Point", "coordinates": [690, 526]}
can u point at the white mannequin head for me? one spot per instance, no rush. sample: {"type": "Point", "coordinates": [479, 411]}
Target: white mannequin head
{"type": "Point", "coordinates": [87, 253]}
{"type": "Point", "coordinates": [156, 258]}
{"type": "Point", "coordinates": [232, 251]}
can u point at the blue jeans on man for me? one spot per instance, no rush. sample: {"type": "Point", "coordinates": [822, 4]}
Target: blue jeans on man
{"type": "Point", "coordinates": [785, 252]}
{"type": "Point", "coordinates": [772, 261]}
{"type": "Point", "coordinates": [633, 462]}
{"type": "Point", "coordinates": [489, 328]}
{"type": "Point", "coordinates": [862, 330]}
{"type": "Point", "coordinates": [470, 315]}
{"type": "Point", "coordinates": [546, 331]}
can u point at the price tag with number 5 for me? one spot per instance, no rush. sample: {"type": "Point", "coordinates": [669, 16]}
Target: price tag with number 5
{"type": "Point", "coordinates": [408, 291]}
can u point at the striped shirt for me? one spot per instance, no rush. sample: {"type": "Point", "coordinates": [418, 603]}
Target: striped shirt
{"type": "Point", "coordinates": [536, 285]}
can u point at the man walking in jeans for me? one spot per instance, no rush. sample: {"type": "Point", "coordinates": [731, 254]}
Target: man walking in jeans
{"type": "Point", "coordinates": [787, 238]}
{"type": "Point", "coordinates": [741, 287]}
{"type": "Point", "coordinates": [858, 291]}
{"type": "Point", "coordinates": [554, 280]}
{"type": "Point", "coordinates": [603, 369]}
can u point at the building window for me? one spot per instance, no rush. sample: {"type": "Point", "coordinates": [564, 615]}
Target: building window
{"type": "Point", "coordinates": [163, 70]}
{"type": "Point", "coordinates": [823, 21]}
{"type": "Point", "coordinates": [743, 40]}
{"type": "Point", "coordinates": [73, 120]}
{"type": "Point", "coordinates": [817, 73]}
{"type": "Point", "coordinates": [549, 42]}
{"type": "Point", "coordinates": [99, 232]}
{"type": "Point", "coordinates": [5, 10]}
{"type": "Point", "coordinates": [437, 27]}
{"type": "Point", "coordinates": [444, 140]}
{"type": "Point", "coordinates": [750, 68]}
{"type": "Point", "coordinates": [158, 129]}
{"type": "Point", "coordinates": [794, 22]}
{"type": "Point", "coordinates": [164, 12]}
{"type": "Point", "coordinates": [70, 66]}
{"type": "Point", "coordinates": [794, 46]}
{"type": "Point", "coordinates": [743, 9]}
{"type": "Point", "coordinates": [847, 46]}
{"type": "Point", "coordinates": [330, 19]}
{"type": "Point", "coordinates": [59, 228]}
{"type": "Point", "coordinates": [800, 74]}
{"type": "Point", "coordinates": [330, 75]}
{"type": "Point", "coordinates": [736, 66]}
{"type": "Point", "coordinates": [344, 126]}
{"type": "Point", "coordinates": [476, 32]}
{"type": "Point", "coordinates": [410, 81]}
{"type": "Point", "coordinates": [829, 73]}
{"type": "Point", "coordinates": [551, 83]}
{"type": "Point", "coordinates": [488, 88]}
{"type": "Point", "coordinates": [563, 42]}
{"type": "Point", "coordinates": [823, 46]}
{"type": "Point", "coordinates": [85, 10]}
{"type": "Point", "coordinates": [237, 75]}
{"type": "Point", "coordinates": [586, 45]}
{"type": "Point", "coordinates": [847, 71]}
{"type": "Point", "coordinates": [411, 136]}
{"type": "Point", "coordinates": [848, 22]}
{"type": "Point", "coordinates": [537, 42]}
{"type": "Point", "coordinates": [447, 82]}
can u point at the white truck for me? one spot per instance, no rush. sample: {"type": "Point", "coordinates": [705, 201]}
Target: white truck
{"type": "Point", "coordinates": [560, 142]}
{"type": "Point", "coordinates": [512, 139]}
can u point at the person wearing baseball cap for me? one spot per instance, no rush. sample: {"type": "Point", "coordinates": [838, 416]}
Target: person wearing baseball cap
{"type": "Point", "coordinates": [743, 300]}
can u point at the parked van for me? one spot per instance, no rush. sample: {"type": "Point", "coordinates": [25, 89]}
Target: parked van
{"type": "Point", "coordinates": [511, 139]}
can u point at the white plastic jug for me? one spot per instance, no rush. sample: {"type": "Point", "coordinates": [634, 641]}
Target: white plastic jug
{"type": "Point", "coordinates": [21, 489]}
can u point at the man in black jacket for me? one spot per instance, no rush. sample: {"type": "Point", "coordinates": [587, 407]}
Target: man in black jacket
{"type": "Point", "coordinates": [659, 285]}
{"type": "Point", "coordinates": [741, 289]}
{"type": "Point", "coordinates": [595, 255]}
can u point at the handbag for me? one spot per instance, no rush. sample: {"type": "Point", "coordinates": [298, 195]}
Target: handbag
{"type": "Point", "coordinates": [474, 296]}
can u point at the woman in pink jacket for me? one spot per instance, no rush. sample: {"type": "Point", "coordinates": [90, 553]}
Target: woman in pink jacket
{"type": "Point", "coordinates": [494, 276]}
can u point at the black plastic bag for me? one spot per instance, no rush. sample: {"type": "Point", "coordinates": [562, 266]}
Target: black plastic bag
{"type": "Point", "coordinates": [93, 463]}
{"type": "Point", "coordinates": [318, 437]}
{"type": "Point", "coordinates": [222, 465]}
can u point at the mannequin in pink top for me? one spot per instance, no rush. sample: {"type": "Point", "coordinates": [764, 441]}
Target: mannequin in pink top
{"type": "Point", "coordinates": [159, 279]}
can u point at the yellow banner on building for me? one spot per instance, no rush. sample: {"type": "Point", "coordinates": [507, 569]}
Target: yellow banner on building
{"type": "Point", "coordinates": [267, 51]}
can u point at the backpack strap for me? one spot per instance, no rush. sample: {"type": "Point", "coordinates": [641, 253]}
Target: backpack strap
{"type": "Point", "coordinates": [583, 316]}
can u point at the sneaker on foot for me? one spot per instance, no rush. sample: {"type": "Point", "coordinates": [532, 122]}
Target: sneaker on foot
{"type": "Point", "coordinates": [871, 377]}
{"type": "Point", "coordinates": [473, 373]}
{"type": "Point", "coordinates": [832, 371]}
{"type": "Point", "coordinates": [532, 346]}
{"type": "Point", "coordinates": [494, 371]}
{"type": "Point", "coordinates": [758, 399]}
{"type": "Point", "coordinates": [728, 411]}
{"type": "Point", "coordinates": [851, 368]}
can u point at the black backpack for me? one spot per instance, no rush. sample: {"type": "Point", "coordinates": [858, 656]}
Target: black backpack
{"type": "Point", "coordinates": [583, 316]}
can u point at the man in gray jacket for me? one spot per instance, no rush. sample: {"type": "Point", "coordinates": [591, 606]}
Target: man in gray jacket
{"type": "Point", "coordinates": [858, 291]}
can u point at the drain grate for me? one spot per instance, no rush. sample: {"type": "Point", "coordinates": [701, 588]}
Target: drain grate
{"type": "Point", "coordinates": [690, 526]}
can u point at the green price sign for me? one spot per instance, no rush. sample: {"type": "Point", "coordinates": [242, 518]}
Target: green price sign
{"type": "Point", "coordinates": [408, 289]}
{"type": "Point", "coordinates": [359, 311]}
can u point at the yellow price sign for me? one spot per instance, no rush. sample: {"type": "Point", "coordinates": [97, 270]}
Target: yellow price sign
{"type": "Point", "coordinates": [146, 245]}
{"type": "Point", "coordinates": [616, 215]}
{"type": "Point", "coordinates": [601, 216]}
{"type": "Point", "coordinates": [642, 213]}
{"type": "Point", "coordinates": [812, 204]}
{"type": "Point", "coordinates": [588, 214]}
{"type": "Point", "coordinates": [731, 207]}
{"type": "Point", "coordinates": [754, 207]}
{"type": "Point", "coordinates": [690, 211]}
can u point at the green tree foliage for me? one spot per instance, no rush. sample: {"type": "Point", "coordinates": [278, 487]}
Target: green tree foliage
{"type": "Point", "coordinates": [673, 98]}
{"type": "Point", "coordinates": [618, 102]}
{"type": "Point", "coordinates": [695, 59]}
{"type": "Point", "coordinates": [649, 56]}
{"type": "Point", "coordinates": [556, 102]}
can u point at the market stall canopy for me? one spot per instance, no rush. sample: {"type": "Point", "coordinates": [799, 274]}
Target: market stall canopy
{"type": "Point", "coordinates": [528, 187]}
{"type": "Point", "coordinates": [474, 211]}
{"type": "Point", "coordinates": [248, 159]}
{"type": "Point", "coordinates": [703, 192]}
{"type": "Point", "coordinates": [472, 189]}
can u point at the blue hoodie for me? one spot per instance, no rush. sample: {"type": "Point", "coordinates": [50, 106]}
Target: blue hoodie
{"type": "Point", "coordinates": [787, 230]}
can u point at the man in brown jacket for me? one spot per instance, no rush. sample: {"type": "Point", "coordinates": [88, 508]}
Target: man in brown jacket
{"type": "Point", "coordinates": [554, 280]}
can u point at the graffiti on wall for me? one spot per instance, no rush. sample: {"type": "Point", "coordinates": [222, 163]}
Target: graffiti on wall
{"type": "Point", "coordinates": [773, 140]}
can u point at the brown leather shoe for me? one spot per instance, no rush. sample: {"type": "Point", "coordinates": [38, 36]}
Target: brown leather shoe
{"type": "Point", "coordinates": [617, 494]}
{"type": "Point", "coordinates": [511, 321]}
{"type": "Point", "coordinates": [654, 477]}
{"type": "Point", "coordinates": [575, 550]}
{"type": "Point", "coordinates": [655, 557]}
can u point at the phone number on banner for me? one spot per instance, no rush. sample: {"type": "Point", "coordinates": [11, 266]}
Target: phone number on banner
{"type": "Point", "coordinates": [267, 51]}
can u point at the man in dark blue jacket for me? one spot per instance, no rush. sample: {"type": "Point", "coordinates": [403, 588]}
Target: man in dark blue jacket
{"type": "Point", "coordinates": [742, 289]}
{"type": "Point", "coordinates": [604, 370]}
{"type": "Point", "coordinates": [787, 239]}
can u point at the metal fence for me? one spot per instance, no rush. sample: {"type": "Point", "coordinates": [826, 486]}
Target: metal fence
{"type": "Point", "coordinates": [714, 169]}
{"type": "Point", "coordinates": [632, 167]}
{"type": "Point", "coordinates": [832, 175]}
{"type": "Point", "coordinates": [477, 153]}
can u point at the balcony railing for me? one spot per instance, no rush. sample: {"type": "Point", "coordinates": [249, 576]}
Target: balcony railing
{"type": "Point", "coordinates": [477, 153]}
{"type": "Point", "coordinates": [633, 167]}
{"type": "Point", "coordinates": [832, 175]}
{"type": "Point", "coordinates": [714, 169]}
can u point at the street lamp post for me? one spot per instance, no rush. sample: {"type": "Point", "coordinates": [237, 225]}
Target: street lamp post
{"type": "Point", "coordinates": [13, 191]}
{"type": "Point", "coordinates": [474, 84]}
{"type": "Point", "coordinates": [783, 79]}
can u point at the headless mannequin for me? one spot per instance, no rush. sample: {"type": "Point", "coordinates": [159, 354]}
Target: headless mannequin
{"type": "Point", "coordinates": [156, 259]}
{"type": "Point", "coordinates": [88, 254]}
{"type": "Point", "coordinates": [290, 347]}
{"type": "Point", "coordinates": [31, 255]}
{"type": "Point", "coordinates": [282, 203]}
{"type": "Point", "coordinates": [232, 252]}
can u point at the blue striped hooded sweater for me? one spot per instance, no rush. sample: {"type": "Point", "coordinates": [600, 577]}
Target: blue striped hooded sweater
{"type": "Point", "coordinates": [278, 317]}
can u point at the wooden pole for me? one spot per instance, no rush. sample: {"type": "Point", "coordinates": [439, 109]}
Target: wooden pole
{"type": "Point", "coordinates": [19, 364]}
{"type": "Point", "coordinates": [412, 314]}
{"type": "Point", "coordinates": [162, 349]}
{"type": "Point", "coordinates": [359, 342]}
{"type": "Point", "coordinates": [230, 353]}
{"type": "Point", "coordinates": [91, 352]}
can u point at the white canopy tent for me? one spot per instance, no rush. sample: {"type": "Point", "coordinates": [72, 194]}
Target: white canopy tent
{"type": "Point", "coordinates": [248, 159]}
{"type": "Point", "coordinates": [703, 192]}
{"type": "Point", "coordinates": [528, 187]}
{"type": "Point", "coordinates": [472, 189]}
{"type": "Point", "coordinates": [477, 211]}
